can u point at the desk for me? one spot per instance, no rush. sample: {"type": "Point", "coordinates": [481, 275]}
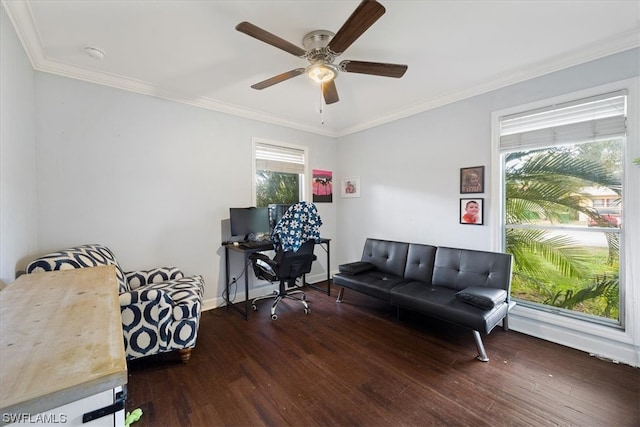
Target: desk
{"type": "Point", "coordinates": [246, 252]}
{"type": "Point", "coordinates": [60, 343]}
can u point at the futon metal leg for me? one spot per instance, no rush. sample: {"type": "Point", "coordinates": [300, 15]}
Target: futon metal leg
{"type": "Point", "coordinates": [340, 293]}
{"type": "Point", "coordinates": [482, 354]}
{"type": "Point", "coordinates": [505, 321]}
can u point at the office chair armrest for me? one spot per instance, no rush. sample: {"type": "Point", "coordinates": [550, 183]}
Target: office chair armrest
{"type": "Point", "coordinates": [264, 267]}
{"type": "Point", "coordinates": [261, 257]}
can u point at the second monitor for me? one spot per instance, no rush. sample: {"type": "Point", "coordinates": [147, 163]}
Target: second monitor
{"type": "Point", "coordinates": [276, 212]}
{"type": "Point", "coordinates": [249, 221]}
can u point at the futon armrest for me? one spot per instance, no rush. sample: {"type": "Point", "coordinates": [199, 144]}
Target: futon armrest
{"type": "Point", "coordinates": [139, 278]}
{"type": "Point", "coordinates": [482, 296]}
{"type": "Point", "coordinates": [356, 267]}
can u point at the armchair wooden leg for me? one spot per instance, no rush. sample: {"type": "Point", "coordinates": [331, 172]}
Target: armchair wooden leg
{"type": "Point", "coordinates": [185, 354]}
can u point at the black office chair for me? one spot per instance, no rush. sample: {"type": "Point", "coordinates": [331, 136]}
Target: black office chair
{"type": "Point", "coordinates": [285, 267]}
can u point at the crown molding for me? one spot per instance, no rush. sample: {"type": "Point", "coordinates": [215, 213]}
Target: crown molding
{"type": "Point", "coordinates": [20, 15]}
{"type": "Point", "coordinates": [620, 43]}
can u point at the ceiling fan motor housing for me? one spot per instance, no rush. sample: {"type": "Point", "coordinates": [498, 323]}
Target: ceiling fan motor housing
{"type": "Point", "coordinates": [315, 44]}
{"type": "Point", "coordinates": [317, 39]}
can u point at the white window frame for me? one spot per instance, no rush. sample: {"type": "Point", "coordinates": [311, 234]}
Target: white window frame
{"type": "Point", "coordinates": [598, 339]}
{"type": "Point", "coordinates": [304, 190]}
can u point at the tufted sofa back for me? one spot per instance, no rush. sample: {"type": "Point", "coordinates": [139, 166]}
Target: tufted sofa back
{"type": "Point", "coordinates": [386, 255]}
{"type": "Point", "coordinates": [462, 268]}
{"type": "Point", "coordinates": [80, 257]}
{"type": "Point", "coordinates": [440, 266]}
{"type": "Point", "coordinates": [420, 261]}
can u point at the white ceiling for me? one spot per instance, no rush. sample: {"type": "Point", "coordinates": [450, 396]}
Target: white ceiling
{"type": "Point", "coordinates": [190, 51]}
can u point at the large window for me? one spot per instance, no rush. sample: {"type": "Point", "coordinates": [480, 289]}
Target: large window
{"type": "Point", "coordinates": [563, 206]}
{"type": "Point", "coordinates": [279, 172]}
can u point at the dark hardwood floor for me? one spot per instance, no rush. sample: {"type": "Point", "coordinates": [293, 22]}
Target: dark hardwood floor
{"type": "Point", "coordinates": [353, 364]}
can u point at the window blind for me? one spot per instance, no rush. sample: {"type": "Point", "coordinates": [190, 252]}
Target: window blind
{"type": "Point", "coordinates": [276, 158]}
{"type": "Point", "coordinates": [595, 118]}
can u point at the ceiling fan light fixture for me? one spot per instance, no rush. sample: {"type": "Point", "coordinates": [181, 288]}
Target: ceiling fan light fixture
{"type": "Point", "coordinates": [321, 72]}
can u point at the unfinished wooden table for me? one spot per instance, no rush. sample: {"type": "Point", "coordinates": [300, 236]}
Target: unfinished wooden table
{"type": "Point", "coordinates": [60, 342]}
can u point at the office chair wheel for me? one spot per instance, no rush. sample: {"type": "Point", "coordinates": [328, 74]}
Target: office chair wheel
{"type": "Point", "coordinates": [307, 310]}
{"type": "Point", "coordinates": [254, 307]}
{"type": "Point", "coordinates": [274, 317]}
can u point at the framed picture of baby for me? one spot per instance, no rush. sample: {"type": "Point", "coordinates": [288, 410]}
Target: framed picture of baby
{"type": "Point", "coordinates": [472, 211]}
{"type": "Point", "coordinates": [472, 180]}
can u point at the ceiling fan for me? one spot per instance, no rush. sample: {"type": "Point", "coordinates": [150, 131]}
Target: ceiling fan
{"type": "Point", "coordinates": [322, 47]}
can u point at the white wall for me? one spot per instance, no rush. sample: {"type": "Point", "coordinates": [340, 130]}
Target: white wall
{"type": "Point", "coordinates": [151, 179]}
{"type": "Point", "coordinates": [410, 181]}
{"type": "Point", "coordinates": [17, 153]}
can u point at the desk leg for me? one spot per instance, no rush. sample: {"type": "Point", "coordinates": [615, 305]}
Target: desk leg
{"type": "Point", "coordinates": [226, 273]}
{"type": "Point", "coordinates": [246, 285]}
{"type": "Point", "coordinates": [328, 268]}
{"type": "Point", "coordinates": [244, 313]}
{"type": "Point", "coordinates": [328, 272]}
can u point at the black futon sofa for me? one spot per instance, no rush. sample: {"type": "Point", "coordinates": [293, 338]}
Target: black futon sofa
{"type": "Point", "coordinates": [466, 287]}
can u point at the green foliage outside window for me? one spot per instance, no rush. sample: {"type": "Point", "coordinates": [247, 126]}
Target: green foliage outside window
{"type": "Point", "coordinates": [545, 189]}
{"type": "Point", "coordinates": [276, 187]}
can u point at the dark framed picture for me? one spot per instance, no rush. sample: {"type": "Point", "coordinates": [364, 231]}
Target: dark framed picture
{"type": "Point", "coordinates": [322, 186]}
{"type": "Point", "coordinates": [472, 211]}
{"type": "Point", "coordinates": [472, 180]}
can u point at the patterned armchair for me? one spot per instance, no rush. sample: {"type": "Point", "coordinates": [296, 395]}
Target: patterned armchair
{"type": "Point", "coordinates": [160, 308]}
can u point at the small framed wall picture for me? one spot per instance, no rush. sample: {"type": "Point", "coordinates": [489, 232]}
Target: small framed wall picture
{"type": "Point", "coordinates": [322, 186]}
{"type": "Point", "coordinates": [350, 187]}
{"type": "Point", "coordinates": [472, 211]}
{"type": "Point", "coordinates": [472, 180]}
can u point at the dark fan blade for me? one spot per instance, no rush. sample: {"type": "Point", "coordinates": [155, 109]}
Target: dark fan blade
{"type": "Point", "coordinates": [330, 92]}
{"type": "Point", "coordinates": [375, 68]}
{"type": "Point", "coordinates": [368, 12]}
{"type": "Point", "coordinates": [278, 79]}
{"type": "Point", "coordinates": [265, 36]}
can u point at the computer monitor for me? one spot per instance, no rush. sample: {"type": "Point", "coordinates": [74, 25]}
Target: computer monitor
{"type": "Point", "coordinates": [246, 221]}
{"type": "Point", "coordinates": [276, 212]}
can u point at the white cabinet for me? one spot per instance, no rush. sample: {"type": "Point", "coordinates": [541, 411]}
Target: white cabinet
{"type": "Point", "coordinates": [71, 414]}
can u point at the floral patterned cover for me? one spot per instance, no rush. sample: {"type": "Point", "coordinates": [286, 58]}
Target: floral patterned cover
{"type": "Point", "coordinates": [299, 224]}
